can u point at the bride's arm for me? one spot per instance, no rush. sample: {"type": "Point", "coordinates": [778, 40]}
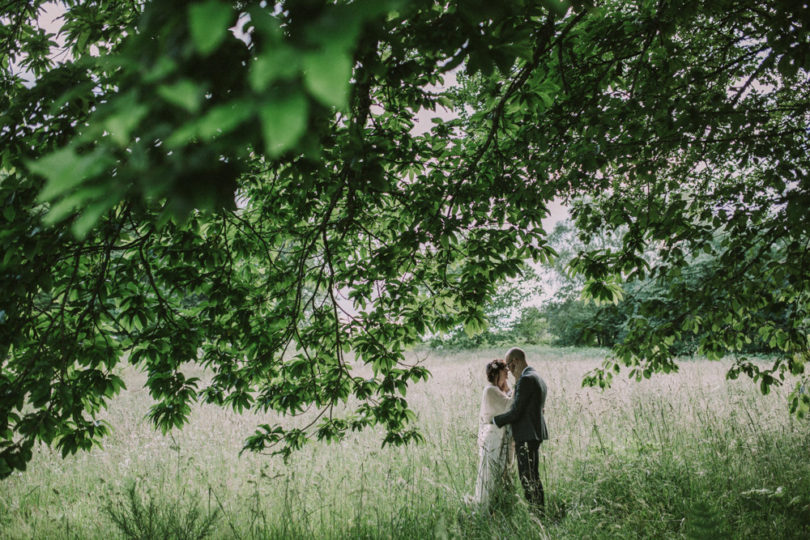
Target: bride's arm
{"type": "Point", "coordinates": [498, 401]}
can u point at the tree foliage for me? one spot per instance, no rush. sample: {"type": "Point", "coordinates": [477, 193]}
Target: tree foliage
{"type": "Point", "coordinates": [507, 319]}
{"type": "Point", "coordinates": [261, 204]}
{"type": "Point", "coordinates": [702, 148]}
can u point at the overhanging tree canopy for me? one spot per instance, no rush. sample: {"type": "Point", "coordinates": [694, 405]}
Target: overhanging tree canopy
{"type": "Point", "coordinates": [184, 195]}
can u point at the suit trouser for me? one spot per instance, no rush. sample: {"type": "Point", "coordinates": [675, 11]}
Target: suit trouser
{"type": "Point", "coordinates": [529, 470]}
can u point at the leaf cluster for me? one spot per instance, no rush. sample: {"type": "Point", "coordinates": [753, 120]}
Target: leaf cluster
{"type": "Point", "coordinates": [239, 186]}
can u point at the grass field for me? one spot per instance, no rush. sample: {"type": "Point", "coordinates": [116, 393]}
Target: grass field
{"type": "Point", "coordinates": [689, 455]}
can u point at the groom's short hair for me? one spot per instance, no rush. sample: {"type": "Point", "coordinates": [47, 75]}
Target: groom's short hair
{"type": "Point", "coordinates": [516, 354]}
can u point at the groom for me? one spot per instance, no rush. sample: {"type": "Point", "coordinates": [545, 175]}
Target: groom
{"type": "Point", "coordinates": [528, 425]}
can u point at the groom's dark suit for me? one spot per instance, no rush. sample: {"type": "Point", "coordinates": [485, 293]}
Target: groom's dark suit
{"type": "Point", "coordinates": [528, 430]}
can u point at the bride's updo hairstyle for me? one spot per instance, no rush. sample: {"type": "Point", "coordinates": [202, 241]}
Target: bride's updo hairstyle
{"type": "Point", "coordinates": [494, 368]}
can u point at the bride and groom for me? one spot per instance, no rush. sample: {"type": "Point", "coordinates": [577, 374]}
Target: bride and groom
{"type": "Point", "coordinates": [508, 416]}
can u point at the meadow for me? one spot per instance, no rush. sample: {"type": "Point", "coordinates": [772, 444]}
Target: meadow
{"type": "Point", "coordinates": [688, 455]}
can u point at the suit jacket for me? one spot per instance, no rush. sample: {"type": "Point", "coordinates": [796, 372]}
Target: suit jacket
{"type": "Point", "coordinates": [526, 414]}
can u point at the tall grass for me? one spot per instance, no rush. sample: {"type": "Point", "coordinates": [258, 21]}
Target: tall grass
{"type": "Point", "coordinates": [679, 456]}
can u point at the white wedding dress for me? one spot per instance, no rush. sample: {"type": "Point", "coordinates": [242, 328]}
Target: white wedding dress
{"type": "Point", "coordinates": [495, 448]}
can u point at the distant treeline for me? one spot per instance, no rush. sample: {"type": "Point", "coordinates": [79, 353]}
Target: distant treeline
{"type": "Point", "coordinates": [569, 320]}
{"type": "Point", "coordinates": [575, 322]}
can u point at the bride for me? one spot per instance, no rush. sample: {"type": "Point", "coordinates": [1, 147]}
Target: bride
{"type": "Point", "coordinates": [495, 451]}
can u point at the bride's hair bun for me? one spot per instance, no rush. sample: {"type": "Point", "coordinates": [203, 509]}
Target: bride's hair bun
{"type": "Point", "coordinates": [493, 368]}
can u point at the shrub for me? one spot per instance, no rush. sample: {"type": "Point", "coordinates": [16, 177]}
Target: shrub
{"type": "Point", "coordinates": [144, 517]}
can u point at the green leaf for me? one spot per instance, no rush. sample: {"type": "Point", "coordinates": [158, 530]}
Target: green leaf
{"type": "Point", "coordinates": [283, 122]}
{"type": "Point", "coordinates": [326, 75]}
{"type": "Point", "coordinates": [121, 124]}
{"type": "Point", "coordinates": [208, 23]}
{"type": "Point", "coordinates": [65, 169]}
{"type": "Point", "coordinates": [474, 324]}
{"type": "Point", "coordinates": [65, 206]}
{"type": "Point", "coordinates": [223, 118]}
{"type": "Point", "coordinates": [185, 94]}
{"type": "Point", "coordinates": [276, 63]}
{"type": "Point", "coordinates": [765, 386]}
{"type": "Point", "coordinates": [90, 216]}
{"type": "Point", "coordinates": [263, 21]}
{"type": "Point", "coordinates": [182, 135]}
{"type": "Point", "coordinates": [163, 67]}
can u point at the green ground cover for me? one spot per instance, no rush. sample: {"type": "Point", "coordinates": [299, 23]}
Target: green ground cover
{"type": "Point", "coordinates": [689, 455]}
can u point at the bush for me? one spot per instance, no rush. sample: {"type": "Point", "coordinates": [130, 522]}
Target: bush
{"type": "Point", "coordinates": [140, 517]}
